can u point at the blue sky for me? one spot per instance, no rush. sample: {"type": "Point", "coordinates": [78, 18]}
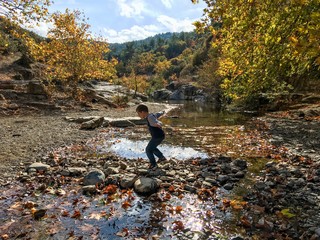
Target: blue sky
{"type": "Point", "coordinates": [127, 20]}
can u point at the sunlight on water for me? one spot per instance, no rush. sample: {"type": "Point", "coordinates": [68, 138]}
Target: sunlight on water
{"type": "Point", "coordinates": [136, 149]}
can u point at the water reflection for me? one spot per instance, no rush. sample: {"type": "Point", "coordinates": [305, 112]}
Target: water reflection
{"type": "Point", "coordinates": [136, 149]}
{"type": "Point", "coordinates": [192, 114]}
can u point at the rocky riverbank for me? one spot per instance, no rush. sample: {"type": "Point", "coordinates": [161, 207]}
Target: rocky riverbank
{"type": "Point", "coordinates": [27, 138]}
{"type": "Point", "coordinates": [282, 202]}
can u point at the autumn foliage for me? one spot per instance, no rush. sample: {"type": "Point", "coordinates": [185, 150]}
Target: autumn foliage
{"type": "Point", "coordinates": [71, 54]}
{"type": "Point", "coordinates": [24, 11]}
{"type": "Point", "coordinates": [264, 46]}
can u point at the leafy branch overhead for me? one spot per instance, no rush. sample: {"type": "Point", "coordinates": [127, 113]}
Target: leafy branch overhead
{"type": "Point", "coordinates": [264, 46]}
{"type": "Point", "coordinates": [24, 11]}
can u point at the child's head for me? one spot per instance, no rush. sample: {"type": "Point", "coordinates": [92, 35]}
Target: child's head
{"type": "Point", "coordinates": [142, 111]}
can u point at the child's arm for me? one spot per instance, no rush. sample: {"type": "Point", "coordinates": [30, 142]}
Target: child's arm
{"type": "Point", "coordinates": [159, 114]}
{"type": "Point", "coordinates": [153, 121]}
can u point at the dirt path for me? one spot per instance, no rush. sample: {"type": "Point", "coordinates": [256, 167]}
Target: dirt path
{"type": "Point", "coordinates": [27, 138]}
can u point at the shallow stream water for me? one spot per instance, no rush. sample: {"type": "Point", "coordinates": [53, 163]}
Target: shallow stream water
{"type": "Point", "coordinates": [191, 130]}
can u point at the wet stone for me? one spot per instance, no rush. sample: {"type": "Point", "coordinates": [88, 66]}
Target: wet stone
{"type": "Point", "coordinates": [94, 177]}
{"type": "Point", "coordinates": [190, 189]}
{"type": "Point", "coordinates": [226, 168]}
{"type": "Point", "coordinates": [191, 179]}
{"type": "Point", "coordinates": [89, 189]}
{"type": "Point", "coordinates": [123, 166]}
{"type": "Point", "coordinates": [300, 182]}
{"type": "Point", "coordinates": [212, 181]}
{"type": "Point", "coordinates": [142, 171]}
{"type": "Point", "coordinates": [207, 184]}
{"type": "Point", "coordinates": [145, 185]}
{"type": "Point", "coordinates": [222, 159]}
{"type": "Point", "coordinates": [76, 171]}
{"type": "Point", "coordinates": [171, 173]}
{"type": "Point", "coordinates": [222, 179]}
{"type": "Point", "coordinates": [38, 167]}
{"type": "Point", "coordinates": [239, 174]}
{"type": "Point", "coordinates": [260, 186]}
{"type": "Point", "coordinates": [39, 213]}
{"type": "Point", "coordinates": [228, 186]}
{"type": "Point", "coordinates": [111, 170]}
{"type": "Point", "coordinates": [128, 180]}
{"type": "Point", "coordinates": [207, 174]}
{"type": "Point", "coordinates": [166, 178]}
{"type": "Point", "coordinates": [242, 164]}
{"type": "Point", "coordinates": [237, 238]}
{"type": "Point", "coordinates": [115, 177]}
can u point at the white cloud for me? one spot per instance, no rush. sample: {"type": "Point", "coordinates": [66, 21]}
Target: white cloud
{"type": "Point", "coordinates": [131, 8]}
{"type": "Point", "coordinates": [131, 34]}
{"type": "Point", "coordinates": [167, 3]}
{"type": "Point", "coordinates": [41, 29]}
{"type": "Point", "coordinates": [176, 25]}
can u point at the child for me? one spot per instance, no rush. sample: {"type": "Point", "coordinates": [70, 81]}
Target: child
{"type": "Point", "coordinates": [157, 134]}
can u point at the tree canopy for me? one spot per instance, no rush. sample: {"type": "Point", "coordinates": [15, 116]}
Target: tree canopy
{"type": "Point", "coordinates": [264, 45]}
{"type": "Point", "coordinates": [71, 54]}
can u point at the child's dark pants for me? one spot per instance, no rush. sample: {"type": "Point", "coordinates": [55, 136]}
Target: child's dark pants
{"type": "Point", "coordinates": [152, 150]}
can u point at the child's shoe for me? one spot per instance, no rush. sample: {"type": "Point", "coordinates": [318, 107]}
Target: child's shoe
{"type": "Point", "coordinates": [162, 159]}
{"type": "Point", "coordinates": [153, 167]}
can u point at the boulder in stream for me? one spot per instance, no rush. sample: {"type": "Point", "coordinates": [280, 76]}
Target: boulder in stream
{"type": "Point", "coordinates": [145, 185]}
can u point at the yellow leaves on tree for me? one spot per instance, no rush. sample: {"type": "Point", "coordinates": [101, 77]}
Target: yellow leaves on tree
{"type": "Point", "coordinates": [71, 54]}
{"type": "Point", "coordinates": [24, 11]}
{"type": "Point", "coordinates": [265, 45]}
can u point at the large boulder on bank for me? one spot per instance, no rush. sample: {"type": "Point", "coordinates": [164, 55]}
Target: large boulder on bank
{"type": "Point", "coordinates": [38, 167]}
{"type": "Point", "coordinates": [92, 124]}
{"type": "Point", "coordinates": [145, 185]}
{"type": "Point", "coordinates": [81, 119]}
{"type": "Point", "coordinates": [121, 123]}
{"type": "Point", "coordinates": [162, 94]}
{"type": "Point", "coordinates": [185, 92]}
{"type": "Point", "coordinates": [176, 91]}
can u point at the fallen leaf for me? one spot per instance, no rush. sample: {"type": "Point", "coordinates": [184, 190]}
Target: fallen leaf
{"type": "Point", "coordinates": [237, 205]}
{"type": "Point", "coordinates": [179, 209]}
{"type": "Point", "coordinates": [110, 189]}
{"type": "Point", "coordinates": [76, 214]}
{"type": "Point", "coordinates": [167, 197]}
{"type": "Point", "coordinates": [245, 221]}
{"type": "Point", "coordinates": [286, 213]}
{"type": "Point", "coordinates": [126, 204]}
{"type": "Point", "coordinates": [123, 233]}
{"type": "Point", "coordinates": [65, 213]}
{"type": "Point", "coordinates": [171, 188]}
{"type": "Point", "coordinates": [29, 205]}
{"type": "Point", "coordinates": [178, 226]}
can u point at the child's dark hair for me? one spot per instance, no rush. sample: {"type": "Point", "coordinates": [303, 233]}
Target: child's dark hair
{"type": "Point", "coordinates": [142, 108]}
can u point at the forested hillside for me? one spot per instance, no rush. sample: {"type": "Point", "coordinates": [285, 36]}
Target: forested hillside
{"type": "Point", "coordinates": [152, 63]}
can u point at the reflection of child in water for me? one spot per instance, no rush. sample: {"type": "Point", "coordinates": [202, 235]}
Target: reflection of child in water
{"type": "Point", "coordinates": [157, 134]}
